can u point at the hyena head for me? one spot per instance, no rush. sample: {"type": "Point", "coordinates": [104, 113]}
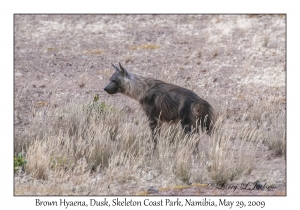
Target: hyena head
{"type": "Point", "coordinates": [118, 80]}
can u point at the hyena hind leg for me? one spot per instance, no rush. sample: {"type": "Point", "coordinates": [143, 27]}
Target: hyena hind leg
{"type": "Point", "coordinates": [189, 126]}
{"type": "Point", "coordinates": [189, 131]}
{"type": "Point", "coordinates": [185, 120]}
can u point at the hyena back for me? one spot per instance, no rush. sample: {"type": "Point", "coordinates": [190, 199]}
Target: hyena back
{"type": "Point", "coordinates": [163, 102]}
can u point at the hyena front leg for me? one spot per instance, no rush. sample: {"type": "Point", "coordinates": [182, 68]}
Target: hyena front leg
{"type": "Point", "coordinates": [154, 126]}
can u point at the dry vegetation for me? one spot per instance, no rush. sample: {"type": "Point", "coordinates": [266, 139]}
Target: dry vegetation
{"type": "Point", "coordinates": [75, 144]}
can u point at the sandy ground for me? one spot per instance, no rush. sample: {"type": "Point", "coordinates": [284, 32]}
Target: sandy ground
{"type": "Point", "coordinates": [233, 59]}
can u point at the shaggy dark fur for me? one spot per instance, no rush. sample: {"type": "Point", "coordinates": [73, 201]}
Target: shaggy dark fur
{"type": "Point", "coordinates": [163, 102]}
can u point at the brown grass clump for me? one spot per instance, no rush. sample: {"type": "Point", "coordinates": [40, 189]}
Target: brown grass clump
{"type": "Point", "coordinates": [93, 51]}
{"type": "Point", "coordinates": [37, 160]}
{"type": "Point", "coordinates": [144, 47]}
{"type": "Point", "coordinates": [180, 187]}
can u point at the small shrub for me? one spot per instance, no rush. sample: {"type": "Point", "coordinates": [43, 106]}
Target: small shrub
{"type": "Point", "coordinates": [19, 162]}
{"type": "Point", "coordinates": [100, 108]}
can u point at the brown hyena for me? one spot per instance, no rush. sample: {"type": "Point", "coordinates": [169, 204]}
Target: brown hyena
{"type": "Point", "coordinates": [163, 102]}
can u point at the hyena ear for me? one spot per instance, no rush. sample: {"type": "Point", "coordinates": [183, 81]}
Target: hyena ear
{"type": "Point", "coordinates": [123, 70]}
{"type": "Point", "coordinates": [116, 68]}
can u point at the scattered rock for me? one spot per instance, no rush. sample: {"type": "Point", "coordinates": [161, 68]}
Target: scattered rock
{"type": "Point", "coordinates": [151, 190]}
{"type": "Point", "coordinates": [18, 74]}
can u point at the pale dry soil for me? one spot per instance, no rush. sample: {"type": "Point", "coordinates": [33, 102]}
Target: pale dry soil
{"type": "Point", "coordinates": [232, 61]}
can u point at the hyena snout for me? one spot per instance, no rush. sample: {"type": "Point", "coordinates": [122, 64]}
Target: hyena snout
{"type": "Point", "coordinates": [111, 88]}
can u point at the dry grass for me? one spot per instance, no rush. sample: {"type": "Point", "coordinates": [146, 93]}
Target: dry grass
{"type": "Point", "coordinates": [93, 51]}
{"type": "Point", "coordinates": [144, 47]}
{"type": "Point", "coordinates": [98, 139]}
